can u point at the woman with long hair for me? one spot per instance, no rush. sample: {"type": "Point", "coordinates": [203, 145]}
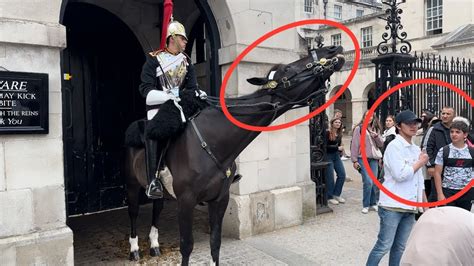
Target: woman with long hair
{"type": "Point", "coordinates": [373, 144]}
{"type": "Point", "coordinates": [390, 131]}
{"type": "Point", "coordinates": [334, 140]}
{"type": "Point", "coordinates": [389, 127]}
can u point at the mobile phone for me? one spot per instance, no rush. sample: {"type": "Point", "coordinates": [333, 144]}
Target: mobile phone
{"type": "Point", "coordinates": [359, 169]}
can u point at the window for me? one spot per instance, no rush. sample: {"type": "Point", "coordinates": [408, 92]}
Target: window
{"type": "Point", "coordinates": [338, 12]}
{"type": "Point", "coordinates": [308, 6]}
{"type": "Point", "coordinates": [359, 13]}
{"type": "Point", "coordinates": [366, 34]}
{"type": "Point", "coordinates": [434, 17]}
{"type": "Point", "coordinates": [336, 39]}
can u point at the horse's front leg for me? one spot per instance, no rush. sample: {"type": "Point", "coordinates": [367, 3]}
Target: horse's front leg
{"type": "Point", "coordinates": [216, 215]}
{"type": "Point", "coordinates": [185, 218]}
{"type": "Point", "coordinates": [133, 208]}
{"type": "Point", "coordinates": [154, 244]}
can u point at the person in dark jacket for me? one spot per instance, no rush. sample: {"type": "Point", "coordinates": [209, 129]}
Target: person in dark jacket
{"type": "Point", "coordinates": [333, 147]}
{"type": "Point", "coordinates": [165, 73]}
{"type": "Point", "coordinates": [438, 137]}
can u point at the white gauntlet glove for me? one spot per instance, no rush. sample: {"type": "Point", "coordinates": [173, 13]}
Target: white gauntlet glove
{"type": "Point", "coordinates": [201, 94]}
{"type": "Point", "coordinates": [155, 97]}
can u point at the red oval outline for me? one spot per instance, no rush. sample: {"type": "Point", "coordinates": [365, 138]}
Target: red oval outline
{"type": "Point", "coordinates": [363, 134]}
{"type": "Point", "coordinates": [268, 35]}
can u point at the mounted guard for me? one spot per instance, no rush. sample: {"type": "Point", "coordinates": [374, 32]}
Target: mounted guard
{"type": "Point", "coordinates": [165, 74]}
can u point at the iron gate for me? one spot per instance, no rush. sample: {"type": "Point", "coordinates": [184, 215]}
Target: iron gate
{"type": "Point", "coordinates": [456, 71]}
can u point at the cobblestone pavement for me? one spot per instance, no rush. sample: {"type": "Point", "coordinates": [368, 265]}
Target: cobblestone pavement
{"type": "Point", "coordinates": [343, 237]}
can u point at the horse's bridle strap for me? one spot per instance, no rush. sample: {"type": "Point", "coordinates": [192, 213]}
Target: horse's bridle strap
{"type": "Point", "coordinates": [316, 67]}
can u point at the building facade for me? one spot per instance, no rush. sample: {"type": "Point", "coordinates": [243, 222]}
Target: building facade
{"type": "Point", "coordinates": [433, 27]}
{"type": "Point", "coordinates": [336, 10]}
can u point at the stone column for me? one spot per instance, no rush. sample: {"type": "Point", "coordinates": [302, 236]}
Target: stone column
{"type": "Point", "coordinates": [359, 106]}
{"type": "Point", "coordinates": [276, 189]}
{"type": "Point", "coordinates": [32, 205]}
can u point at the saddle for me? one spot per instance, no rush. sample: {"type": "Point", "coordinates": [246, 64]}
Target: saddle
{"type": "Point", "coordinates": [165, 124]}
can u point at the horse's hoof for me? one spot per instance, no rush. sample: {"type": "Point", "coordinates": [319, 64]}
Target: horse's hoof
{"type": "Point", "coordinates": [155, 252]}
{"type": "Point", "coordinates": [134, 256]}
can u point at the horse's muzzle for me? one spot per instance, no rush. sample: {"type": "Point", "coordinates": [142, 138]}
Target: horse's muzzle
{"type": "Point", "coordinates": [340, 62]}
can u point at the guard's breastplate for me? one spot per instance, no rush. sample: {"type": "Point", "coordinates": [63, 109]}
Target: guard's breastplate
{"type": "Point", "coordinates": [175, 69]}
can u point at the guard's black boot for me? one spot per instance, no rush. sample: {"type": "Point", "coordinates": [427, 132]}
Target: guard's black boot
{"type": "Point", "coordinates": [155, 189]}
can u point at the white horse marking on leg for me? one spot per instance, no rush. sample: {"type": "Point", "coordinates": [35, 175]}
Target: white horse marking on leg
{"type": "Point", "coordinates": [154, 237]}
{"type": "Point", "coordinates": [133, 244]}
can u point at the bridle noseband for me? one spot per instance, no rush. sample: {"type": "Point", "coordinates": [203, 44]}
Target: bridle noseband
{"type": "Point", "coordinates": [311, 69]}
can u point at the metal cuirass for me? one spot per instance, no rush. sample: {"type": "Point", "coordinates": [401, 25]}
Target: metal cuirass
{"type": "Point", "coordinates": [175, 68]}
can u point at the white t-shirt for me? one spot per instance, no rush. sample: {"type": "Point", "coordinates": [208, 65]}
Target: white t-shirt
{"type": "Point", "coordinates": [455, 177]}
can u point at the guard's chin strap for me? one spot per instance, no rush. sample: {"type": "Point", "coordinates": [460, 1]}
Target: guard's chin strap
{"type": "Point", "coordinates": [314, 55]}
{"type": "Point", "coordinates": [180, 50]}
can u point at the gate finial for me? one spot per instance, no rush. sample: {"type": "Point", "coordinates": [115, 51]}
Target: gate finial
{"type": "Point", "coordinates": [394, 26]}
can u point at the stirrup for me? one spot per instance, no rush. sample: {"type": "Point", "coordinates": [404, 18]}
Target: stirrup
{"type": "Point", "coordinates": [154, 190]}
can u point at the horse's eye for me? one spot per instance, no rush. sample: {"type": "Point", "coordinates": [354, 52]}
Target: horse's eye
{"type": "Point", "coordinates": [287, 68]}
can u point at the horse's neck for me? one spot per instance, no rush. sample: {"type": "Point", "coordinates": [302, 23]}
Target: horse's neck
{"type": "Point", "coordinates": [229, 139]}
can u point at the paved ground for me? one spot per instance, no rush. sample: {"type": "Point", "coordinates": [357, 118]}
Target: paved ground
{"type": "Point", "coordinates": [344, 237]}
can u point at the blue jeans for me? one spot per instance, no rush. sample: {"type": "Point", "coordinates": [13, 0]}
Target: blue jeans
{"type": "Point", "coordinates": [335, 163]}
{"type": "Point", "coordinates": [369, 194]}
{"type": "Point", "coordinates": [395, 227]}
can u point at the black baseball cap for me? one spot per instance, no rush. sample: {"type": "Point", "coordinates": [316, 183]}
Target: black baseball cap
{"type": "Point", "coordinates": [406, 116]}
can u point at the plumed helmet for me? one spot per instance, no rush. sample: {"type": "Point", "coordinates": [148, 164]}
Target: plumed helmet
{"type": "Point", "coordinates": [176, 28]}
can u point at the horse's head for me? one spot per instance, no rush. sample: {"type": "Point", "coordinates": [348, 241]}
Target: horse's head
{"type": "Point", "coordinates": [297, 82]}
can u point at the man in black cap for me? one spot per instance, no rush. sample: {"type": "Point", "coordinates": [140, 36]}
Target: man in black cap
{"type": "Point", "coordinates": [402, 163]}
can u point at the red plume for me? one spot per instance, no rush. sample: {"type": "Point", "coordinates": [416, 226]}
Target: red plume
{"type": "Point", "coordinates": [167, 12]}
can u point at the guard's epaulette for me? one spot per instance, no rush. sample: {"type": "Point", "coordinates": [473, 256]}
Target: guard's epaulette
{"type": "Point", "coordinates": [156, 52]}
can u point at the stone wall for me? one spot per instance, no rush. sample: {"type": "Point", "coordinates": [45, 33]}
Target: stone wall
{"type": "Point", "coordinates": [33, 216]}
{"type": "Point", "coordinates": [276, 165]}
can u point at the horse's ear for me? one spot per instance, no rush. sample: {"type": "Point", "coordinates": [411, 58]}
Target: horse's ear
{"type": "Point", "coordinates": [258, 81]}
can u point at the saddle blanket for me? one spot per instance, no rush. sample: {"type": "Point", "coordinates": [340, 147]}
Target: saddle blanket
{"type": "Point", "coordinates": [167, 180]}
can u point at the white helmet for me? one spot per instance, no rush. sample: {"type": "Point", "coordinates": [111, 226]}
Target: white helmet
{"type": "Point", "coordinates": [176, 28]}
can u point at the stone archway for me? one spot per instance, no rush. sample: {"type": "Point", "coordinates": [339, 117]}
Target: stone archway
{"type": "Point", "coordinates": [100, 100]}
{"type": "Point", "coordinates": [118, 32]}
{"type": "Point", "coordinates": [369, 94]}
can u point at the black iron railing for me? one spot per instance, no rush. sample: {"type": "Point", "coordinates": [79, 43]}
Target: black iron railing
{"type": "Point", "coordinates": [457, 71]}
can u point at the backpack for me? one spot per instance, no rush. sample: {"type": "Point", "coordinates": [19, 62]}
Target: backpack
{"type": "Point", "coordinates": [454, 162]}
{"type": "Point", "coordinates": [360, 133]}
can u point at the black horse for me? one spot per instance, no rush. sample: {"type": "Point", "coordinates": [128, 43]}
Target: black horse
{"type": "Point", "coordinates": [197, 177]}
